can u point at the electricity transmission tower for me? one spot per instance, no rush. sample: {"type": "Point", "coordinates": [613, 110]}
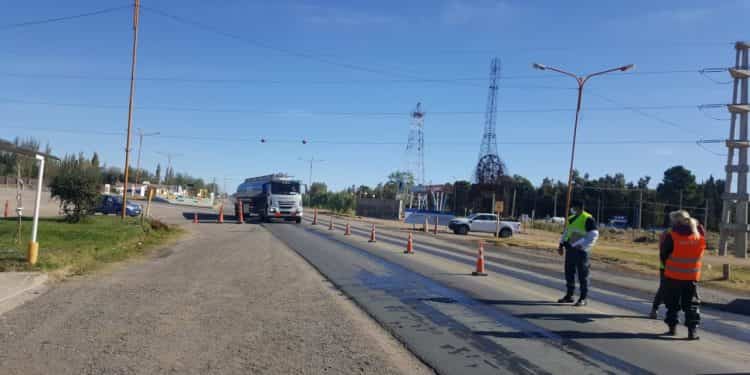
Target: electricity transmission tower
{"type": "Point", "coordinates": [734, 221]}
{"type": "Point", "coordinates": [490, 167]}
{"type": "Point", "coordinates": [415, 146]}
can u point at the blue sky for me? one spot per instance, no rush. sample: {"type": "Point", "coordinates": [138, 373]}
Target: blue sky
{"type": "Point", "coordinates": [287, 92]}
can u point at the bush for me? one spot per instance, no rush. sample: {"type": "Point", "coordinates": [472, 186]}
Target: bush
{"type": "Point", "coordinates": [76, 186]}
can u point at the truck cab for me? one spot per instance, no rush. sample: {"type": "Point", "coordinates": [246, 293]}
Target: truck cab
{"type": "Point", "coordinates": [268, 197]}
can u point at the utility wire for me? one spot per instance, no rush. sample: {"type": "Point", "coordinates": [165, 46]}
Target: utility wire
{"type": "Point", "coordinates": [639, 111]}
{"type": "Point", "coordinates": [64, 18]}
{"type": "Point", "coordinates": [251, 80]}
{"type": "Point", "coordinates": [341, 113]}
{"type": "Point", "coordinates": [342, 142]}
{"type": "Point", "coordinates": [255, 43]}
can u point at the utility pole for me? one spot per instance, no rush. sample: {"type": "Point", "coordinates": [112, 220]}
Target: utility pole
{"type": "Point", "coordinates": [555, 205]}
{"type": "Point", "coordinates": [136, 10]}
{"type": "Point", "coordinates": [705, 216]}
{"type": "Point", "coordinates": [513, 207]}
{"type": "Point", "coordinates": [680, 199]}
{"type": "Point", "coordinates": [311, 161]}
{"type": "Point", "coordinates": [734, 221]}
{"type": "Point", "coordinates": [141, 134]}
{"type": "Point", "coordinates": [640, 209]}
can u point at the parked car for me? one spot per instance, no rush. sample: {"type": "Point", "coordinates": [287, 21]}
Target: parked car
{"type": "Point", "coordinates": [111, 204]}
{"type": "Point", "coordinates": [486, 223]}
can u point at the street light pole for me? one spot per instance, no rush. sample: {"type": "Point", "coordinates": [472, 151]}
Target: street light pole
{"type": "Point", "coordinates": [311, 161]}
{"type": "Point", "coordinates": [581, 80]}
{"type": "Point", "coordinates": [141, 134]}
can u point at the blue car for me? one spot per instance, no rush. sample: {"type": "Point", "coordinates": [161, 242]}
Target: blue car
{"type": "Point", "coordinates": [111, 204]}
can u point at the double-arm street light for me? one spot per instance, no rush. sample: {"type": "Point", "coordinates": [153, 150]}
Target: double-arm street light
{"type": "Point", "coordinates": [581, 82]}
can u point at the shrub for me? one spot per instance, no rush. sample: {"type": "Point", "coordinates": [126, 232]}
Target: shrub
{"type": "Point", "coordinates": [75, 185]}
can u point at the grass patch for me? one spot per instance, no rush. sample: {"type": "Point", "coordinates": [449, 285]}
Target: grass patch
{"type": "Point", "coordinates": [80, 247]}
{"type": "Point", "coordinates": [629, 257]}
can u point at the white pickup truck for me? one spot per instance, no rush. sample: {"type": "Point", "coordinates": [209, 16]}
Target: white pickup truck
{"type": "Point", "coordinates": [483, 223]}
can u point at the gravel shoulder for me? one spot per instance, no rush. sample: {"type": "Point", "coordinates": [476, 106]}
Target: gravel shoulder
{"type": "Point", "coordinates": [229, 299]}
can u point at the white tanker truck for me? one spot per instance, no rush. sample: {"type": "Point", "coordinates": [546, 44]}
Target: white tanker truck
{"type": "Point", "coordinates": [271, 196]}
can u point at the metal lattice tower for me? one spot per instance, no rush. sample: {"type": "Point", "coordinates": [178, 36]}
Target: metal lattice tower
{"type": "Point", "coordinates": [415, 146]}
{"type": "Point", "coordinates": [734, 221]}
{"type": "Point", "coordinates": [490, 167]}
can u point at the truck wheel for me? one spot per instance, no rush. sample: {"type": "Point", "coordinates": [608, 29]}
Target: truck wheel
{"type": "Point", "coordinates": [505, 233]}
{"type": "Point", "coordinates": [299, 220]}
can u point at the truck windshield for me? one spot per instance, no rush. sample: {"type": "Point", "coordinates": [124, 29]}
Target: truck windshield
{"type": "Point", "coordinates": [284, 188]}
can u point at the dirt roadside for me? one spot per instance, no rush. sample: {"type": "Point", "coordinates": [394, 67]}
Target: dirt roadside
{"type": "Point", "coordinates": [231, 300]}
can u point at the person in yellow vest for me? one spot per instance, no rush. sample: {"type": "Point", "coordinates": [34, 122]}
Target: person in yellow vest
{"type": "Point", "coordinates": [682, 253]}
{"type": "Point", "coordinates": [576, 242]}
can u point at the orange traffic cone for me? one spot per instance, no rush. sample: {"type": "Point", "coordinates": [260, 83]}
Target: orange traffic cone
{"type": "Point", "coordinates": [409, 245]}
{"type": "Point", "coordinates": [315, 216]}
{"type": "Point", "coordinates": [221, 214]}
{"type": "Point", "coordinates": [372, 234]}
{"type": "Point", "coordinates": [480, 262]}
{"type": "Point", "coordinates": [195, 218]}
{"type": "Point", "coordinates": [241, 214]}
{"type": "Point", "coordinates": [5, 212]}
{"type": "Point", "coordinates": [330, 225]}
{"type": "Point", "coordinates": [348, 231]}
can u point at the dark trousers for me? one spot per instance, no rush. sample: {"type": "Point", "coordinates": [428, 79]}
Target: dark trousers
{"type": "Point", "coordinates": [577, 262]}
{"type": "Point", "coordinates": [681, 295]}
{"type": "Point", "coordinates": [659, 297]}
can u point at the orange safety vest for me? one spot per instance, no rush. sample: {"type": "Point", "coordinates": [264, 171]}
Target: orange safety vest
{"type": "Point", "coordinates": [685, 261]}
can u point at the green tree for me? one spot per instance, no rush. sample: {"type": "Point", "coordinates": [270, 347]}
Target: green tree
{"type": "Point", "coordinates": [76, 186]}
{"type": "Point", "coordinates": [678, 181]}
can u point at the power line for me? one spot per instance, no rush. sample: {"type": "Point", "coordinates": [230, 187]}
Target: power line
{"type": "Point", "coordinates": [64, 18]}
{"type": "Point", "coordinates": [350, 81]}
{"type": "Point", "coordinates": [262, 45]}
{"type": "Point", "coordinates": [344, 142]}
{"type": "Point", "coordinates": [639, 111]}
{"type": "Point", "coordinates": [347, 113]}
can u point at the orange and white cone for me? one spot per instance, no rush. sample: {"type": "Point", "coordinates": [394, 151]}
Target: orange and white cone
{"type": "Point", "coordinates": [372, 234]}
{"type": "Point", "coordinates": [330, 224]}
{"type": "Point", "coordinates": [409, 245]}
{"type": "Point", "coordinates": [480, 262]}
{"type": "Point", "coordinates": [348, 230]}
{"type": "Point", "coordinates": [221, 214]}
{"type": "Point", "coordinates": [315, 216]}
{"type": "Point", "coordinates": [241, 216]}
{"type": "Point", "coordinates": [195, 218]}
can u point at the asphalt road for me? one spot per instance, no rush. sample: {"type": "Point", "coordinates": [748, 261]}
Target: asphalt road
{"type": "Point", "coordinates": [507, 322]}
{"type": "Point", "coordinates": [228, 299]}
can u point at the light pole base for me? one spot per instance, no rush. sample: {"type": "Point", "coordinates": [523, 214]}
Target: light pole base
{"type": "Point", "coordinates": [33, 252]}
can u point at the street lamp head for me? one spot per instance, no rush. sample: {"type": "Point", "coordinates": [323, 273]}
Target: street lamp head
{"type": "Point", "coordinates": [539, 66]}
{"type": "Point", "coordinates": [627, 67]}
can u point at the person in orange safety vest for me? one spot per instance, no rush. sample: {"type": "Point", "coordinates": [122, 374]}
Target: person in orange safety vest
{"type": "Point", "coordinates": [681, 252]}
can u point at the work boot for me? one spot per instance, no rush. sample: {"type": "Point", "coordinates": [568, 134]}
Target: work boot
{"type": "Point", "coordinates": [654, 314]}
{"type": "Point", "coordinates": [672, 331]}
{"type": "Point", "coordinates": [581, 302]}
{"type": "Point", "coordinates": [692, 334]}
{"type": "Point", "coordinates": [566, 299]}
